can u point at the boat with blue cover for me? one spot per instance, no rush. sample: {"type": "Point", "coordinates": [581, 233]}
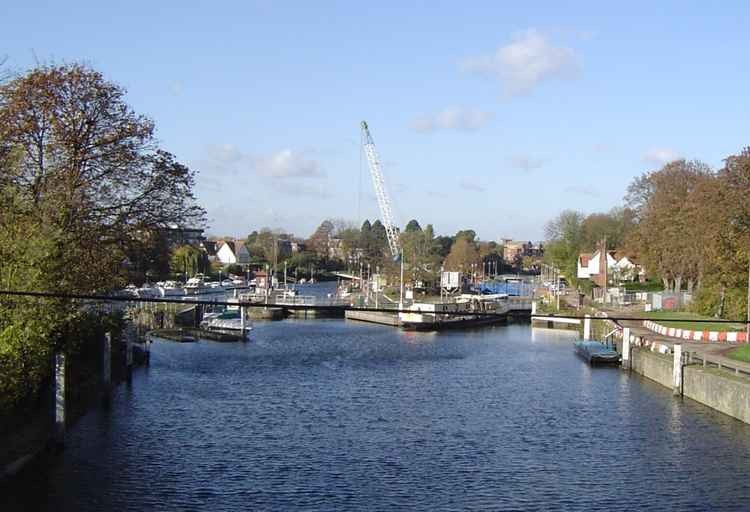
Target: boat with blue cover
{"type": "Point", "coordinates": [595, 352]}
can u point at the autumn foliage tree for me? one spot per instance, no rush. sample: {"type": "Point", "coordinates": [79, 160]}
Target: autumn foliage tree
{"type": "Point", "coordinates": [82, 184]}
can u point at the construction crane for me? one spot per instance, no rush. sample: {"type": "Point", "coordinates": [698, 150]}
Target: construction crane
{"type": "Point", "coordinates": [380, 193]}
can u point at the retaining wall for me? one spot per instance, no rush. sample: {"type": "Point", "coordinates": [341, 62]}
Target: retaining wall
{"type": "Point", "coordinates": [723, 393]}
{"type": "Point", "coordinates": [656, 367]}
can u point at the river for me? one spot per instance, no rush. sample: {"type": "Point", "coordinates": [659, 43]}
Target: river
{"type": "Point", "coordinates": [335, 415]}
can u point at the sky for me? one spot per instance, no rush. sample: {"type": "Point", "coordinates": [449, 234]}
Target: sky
{"type": "Point", "coordinates": [493, 116]}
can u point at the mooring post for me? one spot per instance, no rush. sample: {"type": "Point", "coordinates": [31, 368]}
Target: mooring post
{"type": "Point", "coordinates": [59, 432]}
{"type": "Point", "coordinates": [587, 327]}
{"type": "Point", "coordinates": [242, 322]}
{"type": "Point", "coordinates": [626, 348]}
{"type": "Point", "coordinates": [677, 370]}
{"type": "Point", "coordinates": [129, 355]}
{"type": "Point", "coordinates": [107, 366]}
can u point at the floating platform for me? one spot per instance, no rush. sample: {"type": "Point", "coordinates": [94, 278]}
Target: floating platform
{"type": "Point", "coordinates": [374, 317]}
{"type": "Point", "coordinates": [269, 313]}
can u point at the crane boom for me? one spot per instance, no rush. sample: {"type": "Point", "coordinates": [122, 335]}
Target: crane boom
{"type": "Point", "coordinates": [380, 192]}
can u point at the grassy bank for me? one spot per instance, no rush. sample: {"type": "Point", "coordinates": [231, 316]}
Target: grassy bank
{"type": "Point", "coordinates": [740, 354]}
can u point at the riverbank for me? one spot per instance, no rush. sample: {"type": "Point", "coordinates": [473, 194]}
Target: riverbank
{"type": "Point", "coordinates": [652, 356]}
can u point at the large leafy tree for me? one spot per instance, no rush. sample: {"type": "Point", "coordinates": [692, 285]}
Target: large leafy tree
{"type": "Point", "coordinates": [463, 256]}
{"type": "Point", "coordinates": [83, 185]}
{"type": "Point", "coordinates": [90, 166]}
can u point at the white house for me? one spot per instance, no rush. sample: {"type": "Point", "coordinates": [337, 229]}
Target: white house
{"type": "Point", "coordinates": [589, 265]}
{"type": "Point", "coordinates": [619, 266]}
{"type": "Point", "coordinates": [231, 252]}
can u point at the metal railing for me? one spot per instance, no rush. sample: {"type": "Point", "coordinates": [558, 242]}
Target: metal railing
{"type": "Point", "coordinates": [709, 362]}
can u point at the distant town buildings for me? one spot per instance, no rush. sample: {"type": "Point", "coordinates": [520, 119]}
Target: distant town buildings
{"type": "Point", "coordinates": [180, 235]}
{"type": "Point", "coordinates": [514, 251]}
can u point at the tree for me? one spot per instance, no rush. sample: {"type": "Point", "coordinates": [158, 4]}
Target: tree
{"type": "Point", "coordinates": [463, 256]}
{"type": "Point", "coordinates": [188, 260]}
{"type": "Point", "coordinates": [320, 239]}
{"type": "Point", "coordinates": [83, 189]}
{"type": "Point", "coordinates": [412, 226]}
{"type": "Point", "coordinates": [90, 166]}
{"type": "Point", "coordinates": [468, 234]}
{"type": "Point", "coordinates": [664, 232]}
{"type": "Point", "coordinates": [443, 245]}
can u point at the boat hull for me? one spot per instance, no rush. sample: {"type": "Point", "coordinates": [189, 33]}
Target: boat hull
{"type": "Point", "coordinates": [440, 325]}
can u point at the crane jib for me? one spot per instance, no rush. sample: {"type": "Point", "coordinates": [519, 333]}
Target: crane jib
{"type": "Point", "coordinates": [381, 195]}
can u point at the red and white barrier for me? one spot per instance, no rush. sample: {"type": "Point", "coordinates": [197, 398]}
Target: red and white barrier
{"type": "Point", "coordinates": [705, 336]}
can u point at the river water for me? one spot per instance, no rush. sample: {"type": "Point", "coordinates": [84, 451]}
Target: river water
{"type": "Point", "coordinates": [335, 415]}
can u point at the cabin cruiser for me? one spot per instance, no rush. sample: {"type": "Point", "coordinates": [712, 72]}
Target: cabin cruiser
{"type": "Point", "coordinates": [197, 285]}
{"type": "Point", "coordinates": [226, 321]}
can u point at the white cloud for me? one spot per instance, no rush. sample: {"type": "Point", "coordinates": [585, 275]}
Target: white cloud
{"type": "Point", "coordinates": [175, 88]}
{"type": "Point", "coordinates": [455, 118]}
{"type": "Point", "coordinates": [288, 164]}
{"type": "Point", "coordinates": [227, 159]}
{"type": "Point", "coordinates": [524, 63]}
{"type": "Point", "coordinates": [660, 156]}
{"type": "Point", "coordinates": [224, 153]}
{"type": "Point", "coordinates": [526, 163]}
{"type": "Point", "coordinates": [471, 186]}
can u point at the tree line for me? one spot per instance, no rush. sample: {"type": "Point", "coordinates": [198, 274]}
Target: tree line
{"type": "Point", "coordinates": [687, 224]}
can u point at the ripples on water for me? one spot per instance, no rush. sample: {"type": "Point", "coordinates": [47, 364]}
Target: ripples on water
{"type": "Point", "coordinates": [330, 415]}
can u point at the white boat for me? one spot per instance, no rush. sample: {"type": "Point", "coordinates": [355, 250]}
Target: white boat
{"type": "Point", "coordinates": [227, 321]}
{"type": "Point", "coordinates": [147, 292]}
{"type": "Point", "coordinates": [170, 289]}
{"type": "Point", "coordinates": [197, 285]}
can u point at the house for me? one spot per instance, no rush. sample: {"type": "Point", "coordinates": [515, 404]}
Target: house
{"type": "Point", "coordinates": [628, 268]}
{"type": "Point", "coordinates": [591, 266]}
{"type": "Point", "coordinates": [620, 267]}
{"type": "Point", "coordinates": [232, 252]}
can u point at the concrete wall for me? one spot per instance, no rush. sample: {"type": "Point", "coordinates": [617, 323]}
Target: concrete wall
{"type": "Point", "coordinates": [725, 394]}
{"type": "Point", "coordinates": [656, 367]}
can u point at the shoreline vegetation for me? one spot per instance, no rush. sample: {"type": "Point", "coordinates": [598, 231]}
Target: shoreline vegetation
{"type": "Point", "coordinates": [687, 224]}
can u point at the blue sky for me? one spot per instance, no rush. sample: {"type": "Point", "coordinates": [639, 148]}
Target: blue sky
{"type": "Point", "coordinates": [487, 115]}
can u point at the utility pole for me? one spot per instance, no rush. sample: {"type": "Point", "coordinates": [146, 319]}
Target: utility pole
{"type": "Point", "coordinates": [377, 285]}
{"type": "Point", "coordinates": [401, 296]}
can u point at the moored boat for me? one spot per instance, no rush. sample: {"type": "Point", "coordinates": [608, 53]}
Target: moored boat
{"type": "Point", "coordinates": [466, 311]}
{"type": "Point", "coordinates": [595, 352]}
